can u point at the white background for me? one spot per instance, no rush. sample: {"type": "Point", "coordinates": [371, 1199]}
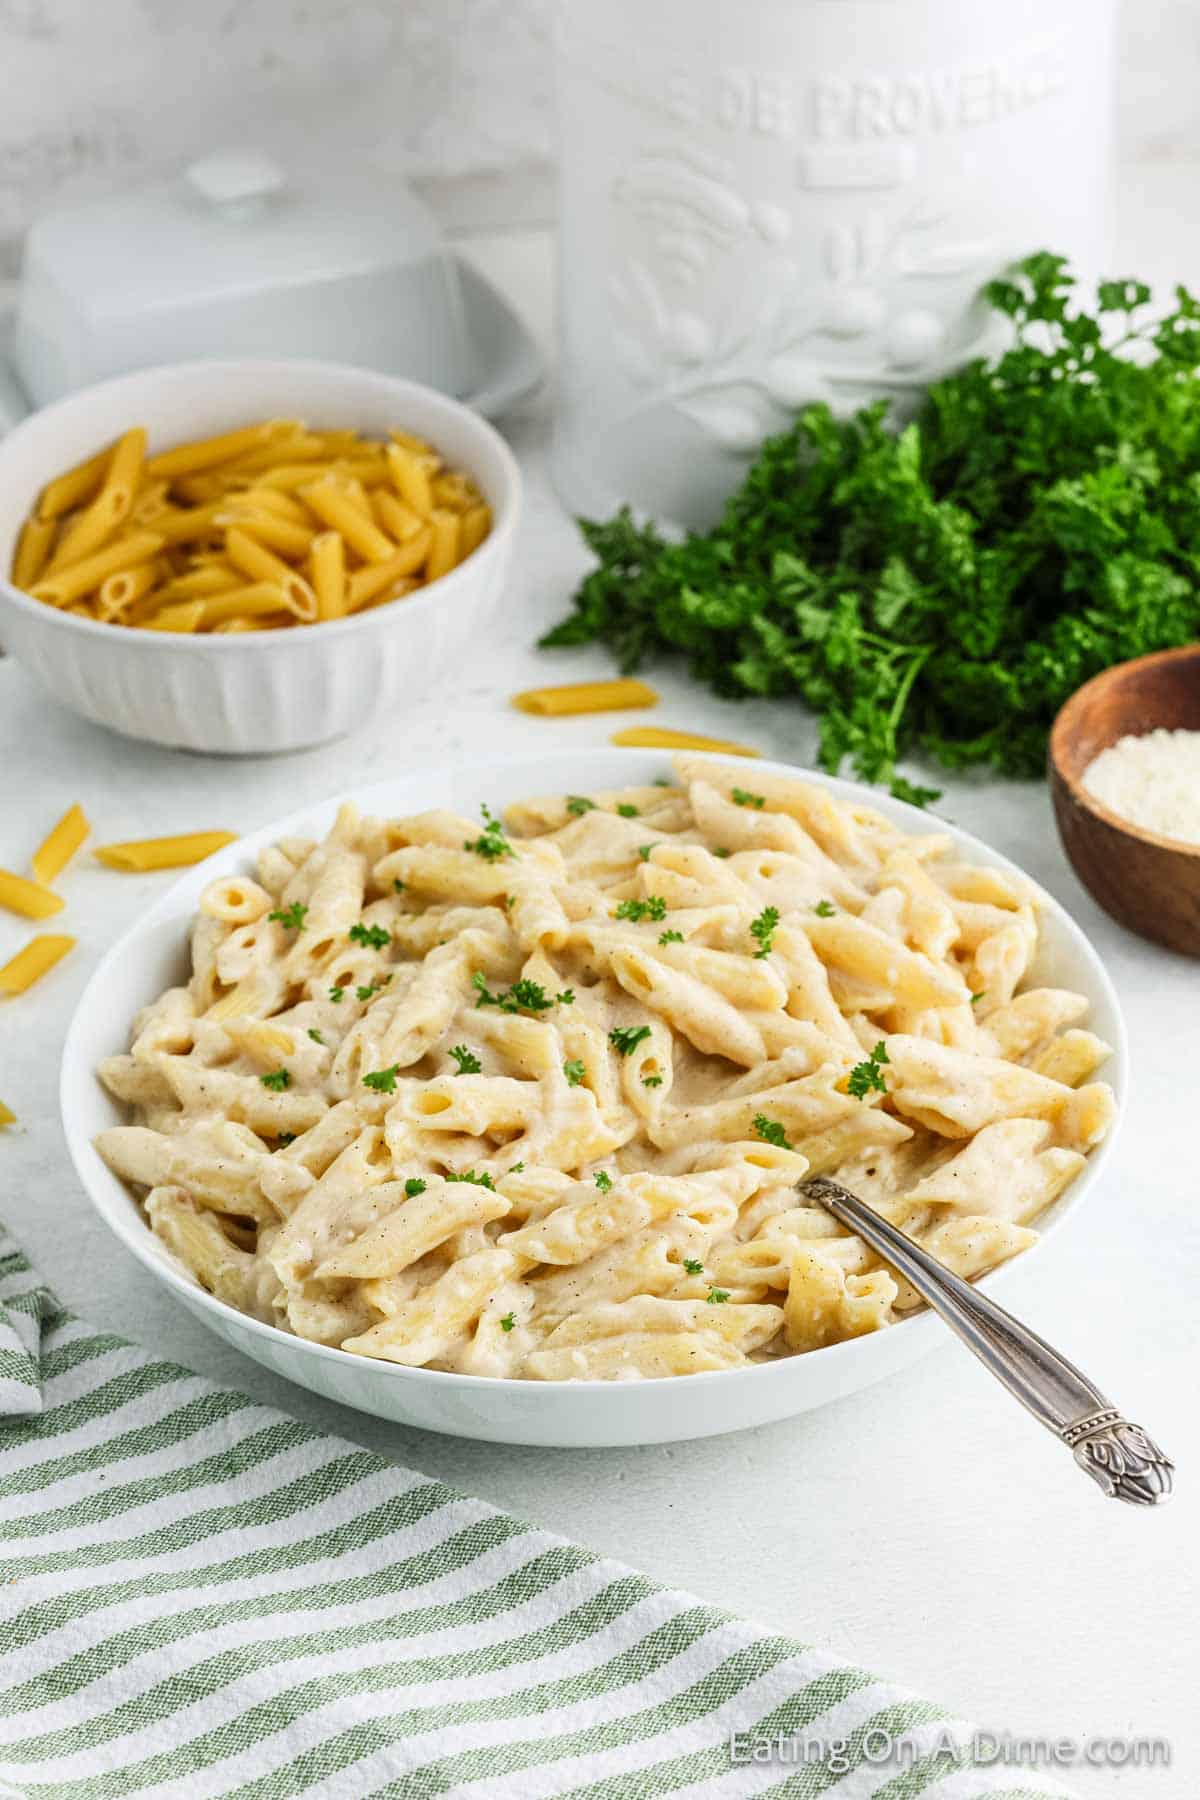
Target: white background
{"type": "Point", "coordinates": [925, 1528]}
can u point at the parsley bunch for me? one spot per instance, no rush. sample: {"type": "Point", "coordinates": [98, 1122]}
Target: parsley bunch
{"type": "Point", "coordinates": [942, 589]}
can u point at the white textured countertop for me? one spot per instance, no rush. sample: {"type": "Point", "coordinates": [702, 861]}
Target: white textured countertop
{"type": "Point", "coordinates": [927, 1527]}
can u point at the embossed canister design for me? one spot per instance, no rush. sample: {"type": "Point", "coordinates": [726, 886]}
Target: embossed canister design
{"type": "Point", "coordinates": [769, 202]}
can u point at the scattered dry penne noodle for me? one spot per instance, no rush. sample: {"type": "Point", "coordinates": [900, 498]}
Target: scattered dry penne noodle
{"type": "Point", "coordinates": [586, 697]}
{"type": "Point", "coordinates": [659, 737]}
{"type": "Point", "coordinates": [330, 521]}
{"type": "Point", "coordinates": [7, 1116]}
{"type": "Point", "coordinates": [141, 854]}
{"type": "Point", "coordinates": [36, 959]}
{"type": "Point", "coordinates": [59, 845]}
{"type": "Point", "coordinates": [28, 898]}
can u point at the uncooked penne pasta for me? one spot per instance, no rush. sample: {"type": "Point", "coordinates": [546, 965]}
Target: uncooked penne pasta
{"type": "Point", "coordinates": [36, 959]}
{"type": "Point", "coordinates": [59, 845]}
{"type": "Point", "coordinates": [139, 854]}
{"type": "Point", "coordinates": [586, 697]}
{"type": "Point", "coordinates": [33, 550]}
{"type": "Point", "coordinates": [28, 898]}
{"type": "Point", "coordinates": [93, 527]}
{"type": "Point", "coordinates": [656, 737]}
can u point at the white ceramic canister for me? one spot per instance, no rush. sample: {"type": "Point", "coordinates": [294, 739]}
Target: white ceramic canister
{"type": "Point", "coordinates": [770, 202]}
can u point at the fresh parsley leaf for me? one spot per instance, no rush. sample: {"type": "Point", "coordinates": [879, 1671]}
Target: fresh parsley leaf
{"type": "Point", "coordinates": [939, 590]}
{"type": "Point", "coordinates": [722, 851]}
{"type": "Point", "coordinates": [315, 1035]}
{"type": "Point", "coordinates": [522, 996]}
{"type": "Point", "coordinates": [277, 1080]}
{"type": "Point", "coordinates": [508, 1322]}
{"type": "Point", "coordinates": [373, 936]}
{"type": "Point", "coordinates": [413, 1186]}
{"type": "Point", "coordinates": [867, 1077]}
{"type": "Point", "coordinates": [717, 1296]}
{"type": "Point", "coordinates": [655, 907]}
{"type": "Point", "coordinates": [398, 885]}
{"type": "Point", "coordinates": [763, 929]}
{"type": "Point", "coordinates": [824, 909]}
{"type": "Point", "coordinates": [976, 998]}
{"type": "Point", "coordinates": [770, 1131]}
{"type": "Point", "coordinates": [578, 804]}
{"type": "Point", "coordinates": [652, 1081]}
{"type": "Point", "coordinates": [644, 851]}
{"type": "Point", "coordinates": [336, 994]}
{"type": "Point", "coordinates": [382, 1081]}
{"type": "Point", "coordinates": [670, 937]}
{"type": "Point", "coordinates": [742, 798]}
{"type": "Point", "coordinates": [574, 1072]}
{"type": "Point", "coordinates": [603, 1180]}
{"type": "Point", "coordinates": [491, 843]}
{"type": "Point", "coordinates": [626, 810]}
{"type": "Point", "coordinates": [470, 1175]}
{"type": "Point", "coordinates": [366, 993]}
{"type": "Point", "coordinates": [692, 1266]}
{"type": "Point", "coordinates": [516, 1168]}
{"type": "Point", "coordinates": [291, 917]}
{"type": "Point", "coordinates": [626, 1038]}
{"type": "Point", "coordinates": [468, 1062]}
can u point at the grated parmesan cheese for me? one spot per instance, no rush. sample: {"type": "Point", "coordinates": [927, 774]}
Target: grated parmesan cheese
{"type": "Point", "coordinates": [1153, 781]}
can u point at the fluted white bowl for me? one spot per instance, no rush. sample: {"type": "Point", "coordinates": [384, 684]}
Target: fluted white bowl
{"type": "Point", "coordinates": [261, 690]}
{"type": "Point", "coordinates": [153, 955]}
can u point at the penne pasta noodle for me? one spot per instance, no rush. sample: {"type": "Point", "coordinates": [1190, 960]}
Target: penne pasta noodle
{"type": "Point", "coordinates": [586, 697]}
{"type": "Point", "coordinates": [29, 898]}
{"type": "Point", "coordinates": [92, 528]}
{"type": "Point", "coordinates": [33, 550]}
{"type": "Point", "coordinates": [328, 574]}
{"type": "Point", "coordinates": [207, 453]}
{"type": "Point", "coordinates": [7, 1116]}
{"type": "Point", "coordinates": [119, 591]}
{"type": "Point", "coordinates": [651, 737]}
{"type": "Point", "coordinates": [410, 477]}
{"type": "Point", "coordinates": [59, 845]}
{"type": "Point", "coordinates": [76, 487]}
{"type": "Point", "coordinates": [280, 535]}
{"type": "Point", "coordinates": [183, 615]}
{"type": "Point", "coordinates": [84, 577]}
{"type": "Point", "coordinates": [36, 959]}
{"type": "Point", "coordinates": [367, 584]}
{"type": "Point", "coordinates": [443, 550]}
{"type": "Point", "coordinates": [138, 855]}
{"type": "Point", "coordinates": [333, 503]}
{"type": "Point", "coordinates": [399, 521]}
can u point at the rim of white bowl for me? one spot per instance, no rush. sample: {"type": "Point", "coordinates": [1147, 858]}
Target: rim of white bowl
{"type": "Point", "coordinates": [132, 1230]}
{"type": "Point", "coordinates": [506, 513]}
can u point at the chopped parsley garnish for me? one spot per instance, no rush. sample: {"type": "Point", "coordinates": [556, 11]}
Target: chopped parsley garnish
{"type": "Point", "coordinates": [626, 810]}
{"type": "Point", "coordinates": [508, 1322]}
{"type": "Point", "coordinates": [413, 1186]}
{"type": "Point", "coordinates": [277, 1080]}
{"type": "Point", "coordinates": [742, 798]}
{"type": "Point", "coordinates": [824, 909]}
{"type": "Point", "coordinates": [491, 843]}
{"type": "Point", "coordinates": [574, 1072]}
{"type": "Point", "coordinates": [722, 851]}
{"type": "Point", "coordinates": [398, 885]}
{"type": "Point", "coordinates": [670, 937]}
{"type": "Point", "coordinates": [373, 936]}
{"type": "Point", "coordinates": [655, 907]}
{"type": "Point", "coordinates": [692, 1266]}
{"type": "Point", "coordinates": [652, 1080]}
{"type": "Point", "coordinates": [336, 994]}
{"type": "Point", "coordinates": [366, 993]}
{"type": "Point", "coordinates": [578, 804]}
{"type": "Point", "coordinates": [717, 1296]}
{"type": "Point", "coordinates": [468, 1062]}
{"type": "Point", "coordinates": [867, 1076]}
{"type": "Point", "coordinates": [770, 1131]}
{"type": "Point", "coordinates": [603, 1180]}
{"type": "Point", "coordinates": [476, 1179]}
{"type": "Point", "coordinates": [315, 1035]}
{"type": "Point", "coordinates": [382, 1081]}
{"type": "Point", "coordinates": [763, 930]}
{"type": "Point", "coordinates": [516, 1168]}
{"type": "Point", "coordinates": [644, 851]}
{"type": "Point", "coordinates": [976, 998]}
{"type": "Point", "coordinates": [522, 996]}
{"type": "Point", "coordinates": [626, 1038]}
{"type": "Point", "coordinates": [291, 917]}
{"type": "Point", "coordinates": [285, 1137]}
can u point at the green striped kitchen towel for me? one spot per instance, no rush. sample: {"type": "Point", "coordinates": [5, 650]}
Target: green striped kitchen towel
{"type": "Point", "coordinates": [202, 1597]}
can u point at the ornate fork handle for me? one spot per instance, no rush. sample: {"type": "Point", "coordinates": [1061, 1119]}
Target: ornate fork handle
{"type": "Point", "coordinates": [1125, 1461]}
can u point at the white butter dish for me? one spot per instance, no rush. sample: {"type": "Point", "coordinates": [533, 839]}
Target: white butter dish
{"type": "Point", "coordinates": [238, 257]}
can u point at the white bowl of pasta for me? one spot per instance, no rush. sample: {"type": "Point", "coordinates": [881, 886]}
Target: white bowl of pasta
{"type": "Point", "coordinates": [491, 1122]}
{"type": "Point", "coordinates": [243, 557]}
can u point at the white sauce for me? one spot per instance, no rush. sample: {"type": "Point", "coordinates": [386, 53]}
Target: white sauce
{"type": "Point", "coordinates": [1153, 781]}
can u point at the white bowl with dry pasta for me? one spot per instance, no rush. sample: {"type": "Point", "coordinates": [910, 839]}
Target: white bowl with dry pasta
{"type": "Point", "coordinates": [479, 1101]}
{"type": "Point", "coordinates": [249, 556]}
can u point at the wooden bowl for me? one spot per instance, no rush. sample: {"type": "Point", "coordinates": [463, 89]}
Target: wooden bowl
{"type": "Point", "coordinates": [1150, 883]}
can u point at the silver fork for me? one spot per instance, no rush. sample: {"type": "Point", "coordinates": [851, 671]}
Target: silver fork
{"type": "Point", "coordinates": [1123, 1458]}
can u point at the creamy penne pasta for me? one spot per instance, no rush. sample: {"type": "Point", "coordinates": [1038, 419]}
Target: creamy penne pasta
{"type": "Point", "coordinates": [534, 1096]}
